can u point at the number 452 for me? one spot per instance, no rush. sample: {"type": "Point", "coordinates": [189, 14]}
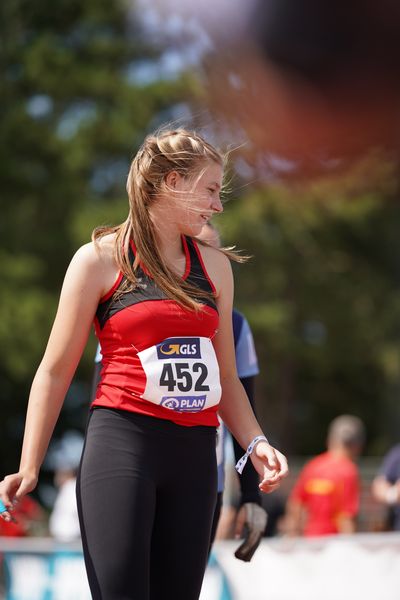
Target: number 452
{"type": "Point", "coordinates": [179, 375]}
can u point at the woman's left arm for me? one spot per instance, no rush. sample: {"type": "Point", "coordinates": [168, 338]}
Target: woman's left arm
{"type": "Point", "coordinates": [235, 409]}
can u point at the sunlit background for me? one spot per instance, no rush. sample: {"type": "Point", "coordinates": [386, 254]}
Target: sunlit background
{"type": "Point", "coordinates": [305, 97]}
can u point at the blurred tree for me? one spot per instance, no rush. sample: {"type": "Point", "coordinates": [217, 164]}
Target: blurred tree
{"type": "Point", "coordinates": [78, 94]}
{"type": "Point", "coordinates": [323, 296]}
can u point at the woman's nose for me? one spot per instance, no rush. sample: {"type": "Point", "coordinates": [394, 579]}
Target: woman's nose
{"type": "Point", "coordinates": [217, 204]}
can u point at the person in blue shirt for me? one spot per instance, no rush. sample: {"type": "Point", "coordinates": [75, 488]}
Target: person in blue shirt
{"type": "Point", "coordinates": [251, 518]}
{"type": "Point", "coordinates": [386, 486]}
{"type": "Point", "coordinates": [250, 515]}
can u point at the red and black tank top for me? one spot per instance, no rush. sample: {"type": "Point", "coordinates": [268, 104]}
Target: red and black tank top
{"type": "Point", "coordinates": [152, 346]}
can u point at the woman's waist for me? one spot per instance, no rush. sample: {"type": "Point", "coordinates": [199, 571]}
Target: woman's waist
{"type": "Point", "coordinates": [134, 408]}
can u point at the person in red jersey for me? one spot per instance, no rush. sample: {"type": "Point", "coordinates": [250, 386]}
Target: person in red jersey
{"type": "Point", "coordinates": [161, 304]}
{"type": "Point", "coordinates": [325, 498]}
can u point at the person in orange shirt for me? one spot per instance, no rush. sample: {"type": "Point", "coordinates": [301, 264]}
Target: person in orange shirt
{"type": "Point", "coordinates": [325, 498]}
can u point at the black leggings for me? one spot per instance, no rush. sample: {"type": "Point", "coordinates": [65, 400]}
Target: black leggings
{"type": "Point", "coordinates": [216, 516]}
{"type": "Point", "coordinates": [146, 495]}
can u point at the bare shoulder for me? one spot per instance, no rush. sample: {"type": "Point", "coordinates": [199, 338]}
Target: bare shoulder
{"type": "Point", "coordinates": [106, 244]}
{"type": "Point", "coordinates": [95, 261]}
{"type": "Point", "coordinates": [92, 255]}
{"type": "Point", "coordinates": [217, 264]}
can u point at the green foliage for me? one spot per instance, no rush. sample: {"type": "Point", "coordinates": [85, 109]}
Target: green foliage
{"type": "Point", "coordinates": [26, 311]}
{"type": "Point", "coordinates": [322, 293]}
{"type": "Point", "coordinates": [72, 116]}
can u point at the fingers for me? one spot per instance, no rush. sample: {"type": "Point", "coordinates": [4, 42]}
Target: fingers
{"type": "Point", "coordinates": [270, 478]}
{"type": "Point", "coordinates": [284, 468]}
{"type": "Point", "coordinates": [7, 493]}
{"type": "Point", "coordinates": [267, 487]}
{"type": "Point", "coordinates": [11, 489]}
{"type": "Point", "coordinates": [5, 511]}
{"type": "Point", "coordinates": [274, 467]}
{"type": "Point", "coordinates": [5, 501]}
{"type": "Point", "coordinates": [270, 481]}
{"type": "Point", "coordinates": [270, 456]}
{"type": "Point", "coordinates": [274, 461]}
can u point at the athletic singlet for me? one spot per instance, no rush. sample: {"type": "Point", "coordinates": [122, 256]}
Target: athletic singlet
{"type": "Point", "coordinates": [158, 358]}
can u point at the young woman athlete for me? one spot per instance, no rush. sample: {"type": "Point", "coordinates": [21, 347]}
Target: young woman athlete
{"type": "Point", "coordinates": [162, 310]}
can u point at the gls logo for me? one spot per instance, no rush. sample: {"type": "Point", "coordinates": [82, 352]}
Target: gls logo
{"type": "Point", "coordinates": [178, 348]}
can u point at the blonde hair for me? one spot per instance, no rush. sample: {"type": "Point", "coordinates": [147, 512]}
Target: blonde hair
{"type": "Point", "coordinates": [172, 150]}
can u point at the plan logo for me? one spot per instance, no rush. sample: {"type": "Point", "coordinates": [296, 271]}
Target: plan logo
{"type": "Point", "coordinates": [184, 403]}
{"type": "Point", "coordinates": [179, 348]}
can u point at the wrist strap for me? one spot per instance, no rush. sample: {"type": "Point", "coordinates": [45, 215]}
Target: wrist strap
{"type": "Point", "coordinates": [392, 495]}
{"type": "Point", "coordinates": [240, 465]}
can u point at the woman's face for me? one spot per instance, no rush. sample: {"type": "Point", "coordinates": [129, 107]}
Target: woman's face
{"type": "Point", "coordinates": [195, 200]}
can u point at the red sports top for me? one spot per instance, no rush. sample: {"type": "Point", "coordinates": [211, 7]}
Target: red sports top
{"type": "Point", "coordinates": [143, 318]}
{"type": "Point", "coordinates": [328, 488]}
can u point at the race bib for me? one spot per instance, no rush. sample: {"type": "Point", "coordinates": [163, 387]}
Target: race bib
{"type": "Point", "coordinates": [182, 374]}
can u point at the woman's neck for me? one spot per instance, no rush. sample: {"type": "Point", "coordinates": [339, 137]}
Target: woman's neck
{"type": "Point", "coordinates": [170, 247]}
{"type": "Point", "coordinates": [169, 237]}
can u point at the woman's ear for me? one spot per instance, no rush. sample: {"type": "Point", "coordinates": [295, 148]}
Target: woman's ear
{"type": "Point", "coordinates": [172, 179]}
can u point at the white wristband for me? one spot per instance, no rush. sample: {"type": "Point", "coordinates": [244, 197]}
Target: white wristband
{"type": "Point", "coordinates": [240, 465]}
{"type": "Point", "coordinates": [392, 495]}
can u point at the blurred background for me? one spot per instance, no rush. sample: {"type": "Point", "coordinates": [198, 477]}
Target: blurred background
{"type": "Point", "coordinates": [305, 96]}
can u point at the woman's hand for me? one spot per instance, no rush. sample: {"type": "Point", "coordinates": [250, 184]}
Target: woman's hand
{"type": "Point", "coordinates": [270, 464]}
{"type": "Point", "coordinates": [12, 488]}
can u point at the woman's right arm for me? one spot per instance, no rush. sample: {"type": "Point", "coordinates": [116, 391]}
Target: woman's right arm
{"type": "Point", "coordinates": [85, 282]}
